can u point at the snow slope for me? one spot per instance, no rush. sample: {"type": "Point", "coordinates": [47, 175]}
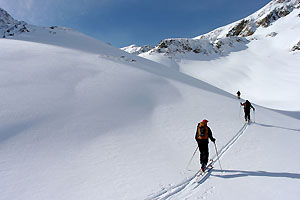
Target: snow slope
{"type": "Point", "coordinates": [260, 49]}
{"type": "Point", "coordinates": [78, 125]}
{"type": "Point", "coordinates": [84, 120]}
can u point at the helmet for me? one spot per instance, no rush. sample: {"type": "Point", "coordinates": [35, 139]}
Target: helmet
{"type": "Point", "coordinates": [205, 121]}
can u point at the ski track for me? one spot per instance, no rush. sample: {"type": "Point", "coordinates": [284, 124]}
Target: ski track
{"type": "Point", "coordinates": [188, 187]}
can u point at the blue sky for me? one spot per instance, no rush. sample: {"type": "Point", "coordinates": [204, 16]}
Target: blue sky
{"type": "Point", "coordinates": [125, 22]}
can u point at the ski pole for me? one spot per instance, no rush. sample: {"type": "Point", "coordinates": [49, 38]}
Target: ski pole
{"type": "Point", "coordinates": [192, 157]}
{"type": "Point", "coordinates": [218, 156]}
{"type": "Point", "coordinates": [254, 115]}
{"type": "Point", "coordinates": [240, 112]}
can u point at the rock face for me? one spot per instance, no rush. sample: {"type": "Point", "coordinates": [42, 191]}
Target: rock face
{"type": "Point", "coordinates": [198, 46]}
{"type": "Point", "coordinates": [274, 15]}
{"type": "Point", "coordinates": [244, 28]}
{"type": "Point", "coordinates": [264, 17]}
{"type": "Point", "coordinates": [221, 40]}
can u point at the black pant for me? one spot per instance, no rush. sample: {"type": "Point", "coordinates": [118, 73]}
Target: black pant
{"type": "Point", "coordinates": [247, 115]}
{"type": "Point", "coordinates": [203, 148]}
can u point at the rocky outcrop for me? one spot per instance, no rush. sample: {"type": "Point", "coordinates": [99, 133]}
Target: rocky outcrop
{"type": "Point", "coordinates": [198, 46]}
{"type": "Point", "coordinates": [9, 26]}
{"type": "Point", "coordinates": [265, 17]}
{"type": "Point", "coordinates": [274, 15]}
{"type": "Point", "coordinates": [18, 28]}
{"type": "Point", "coordinates": [272, 34]}
{"type": "Point", "coordinates": [296, 47]}
{"type": "Point", "coordinates": [244, 28]}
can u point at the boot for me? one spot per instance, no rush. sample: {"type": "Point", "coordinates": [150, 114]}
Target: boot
{"type": "Point", "coordinates": [203, 167]}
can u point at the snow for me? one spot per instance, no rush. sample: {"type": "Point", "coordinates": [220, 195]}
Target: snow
{"type": "Point", "coordinates": [266, 61]}
{"type": "Point", "coordinates": [274, 10]}
{"type": "Point", "coordinates": [269, 57]}
{"type": "Point", "coordinates": [79, 125]}
{"type": "Point", "coordinates": [83, 120]}
{"type": "Point", "coordinates": [134, 49]}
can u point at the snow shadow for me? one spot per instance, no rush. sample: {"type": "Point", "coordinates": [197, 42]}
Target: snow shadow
{"type": "Point", "coordinates": [163, 71]}
{"type": "Point", "coordinates": [294, 114]}
{"type": "Point", "coordinates": [14, 129]}
{"type": "Point", "coordinates": [273, 126]}
{"type": "Point", "coordinates": [240, 173]}
{"type": "Point", "coordinates": [212, 56]}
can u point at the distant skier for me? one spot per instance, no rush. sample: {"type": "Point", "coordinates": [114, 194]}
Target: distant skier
{"type": "Point", "coordinates": [203, 132]}
{"type": "Point", "coordinates": [247, 106]}
{"type": "Point", "coordinates": [238, 94]}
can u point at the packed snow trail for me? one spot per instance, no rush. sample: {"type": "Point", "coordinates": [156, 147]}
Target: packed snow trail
{"type": "Point", "coordinates": [188, 187]}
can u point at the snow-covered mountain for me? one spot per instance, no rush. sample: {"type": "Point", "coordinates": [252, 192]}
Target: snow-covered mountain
{"type": "Point", "coordinates": [83, 120]}
{"type": "Point", "coordinates": [218, 40]}
{"type": "Point", "coordinates": [264, 17]}
{"type": "Point", "coordinates": [250, 49]}
{"type": "Point", "coordinates": [54, 35]}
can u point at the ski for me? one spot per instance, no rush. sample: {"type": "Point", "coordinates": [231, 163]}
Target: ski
{"type": "Point", "coordinates": [208, 167]}
{"type": "Point", "coordinates": [204, 174]}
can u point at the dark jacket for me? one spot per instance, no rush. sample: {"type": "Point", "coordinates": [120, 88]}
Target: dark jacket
{"type": "Point", "coordinates": [247, 106]}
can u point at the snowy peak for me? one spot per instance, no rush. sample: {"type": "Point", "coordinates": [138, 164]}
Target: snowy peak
{"type": "Point", "coordinates": [9, 26]}
{"type": "Point", "coordinates": [264, 17]}
{"type": "Point", "coordinates": [274, 11]}
{"type": "Point", "coordinates": [5, 18]}
{"type": "Point", "coordinates": [134, 49]}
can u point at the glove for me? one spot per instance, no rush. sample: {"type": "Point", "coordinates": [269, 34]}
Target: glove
{"type": "Point", "coordinates": [213, 140]}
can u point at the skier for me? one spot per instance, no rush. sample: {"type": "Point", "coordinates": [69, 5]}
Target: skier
{"type": "Point", "coordinates": [247, 106]}
{"type": "Point", "coordinates": [238, 94]}
{"type": "Point", "coordinates": [203, 132]}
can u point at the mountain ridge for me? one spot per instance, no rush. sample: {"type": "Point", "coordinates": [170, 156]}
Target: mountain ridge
{"type": "Point", "coordinates": [238, 31]}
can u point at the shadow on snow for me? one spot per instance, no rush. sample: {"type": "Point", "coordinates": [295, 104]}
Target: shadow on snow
{"type": "Point", "coordinates": [240, 173]}
{"type": "Point", "coordinates": [273, 126]}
